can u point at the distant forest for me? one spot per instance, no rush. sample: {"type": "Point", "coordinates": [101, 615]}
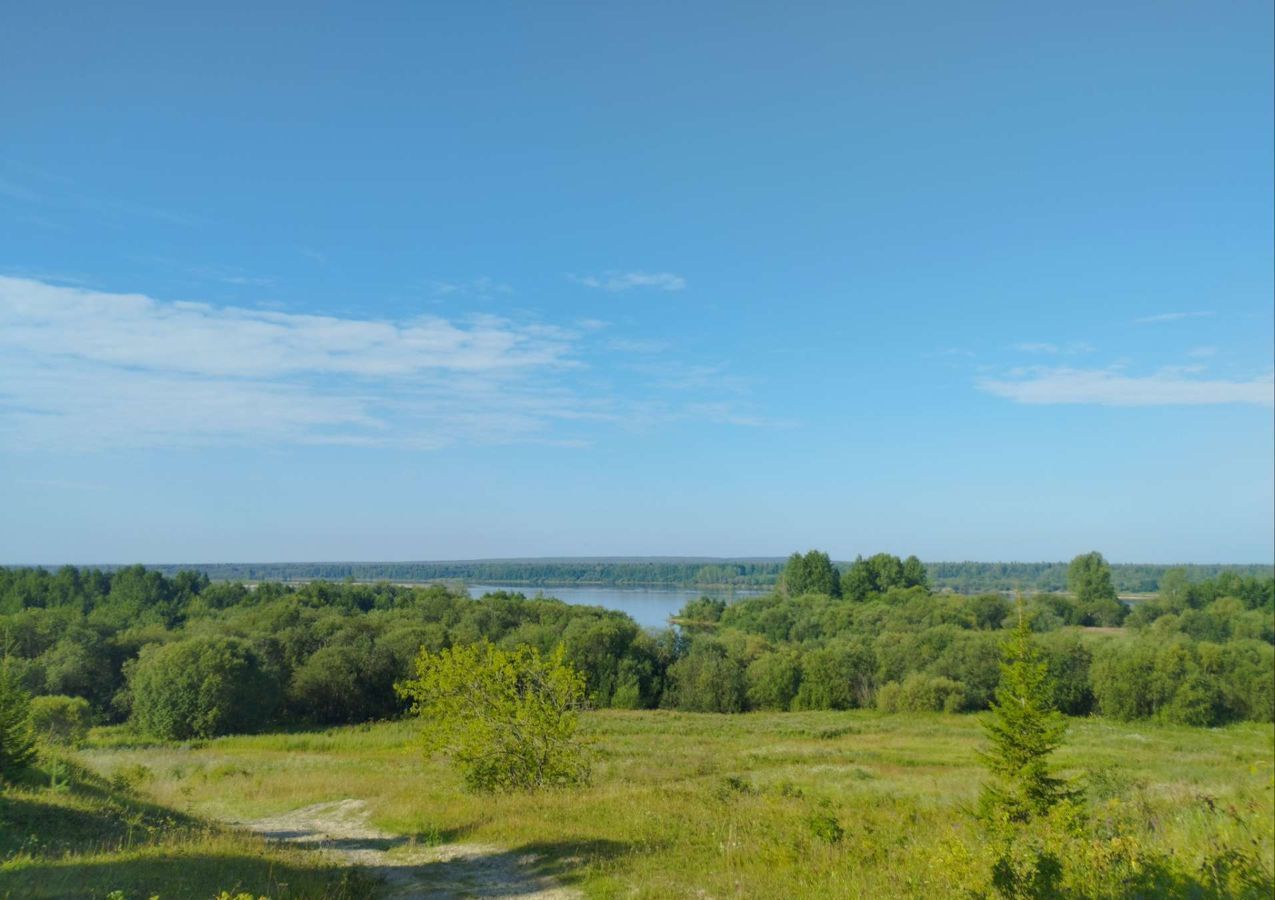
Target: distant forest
{"type": "Point", "coordinates": [185, 656]}
{"type": "Point", "coordinates": [960, 577]}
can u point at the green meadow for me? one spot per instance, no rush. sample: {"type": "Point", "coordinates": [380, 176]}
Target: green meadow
{"type": "Point", "coordinates": [814, 804]}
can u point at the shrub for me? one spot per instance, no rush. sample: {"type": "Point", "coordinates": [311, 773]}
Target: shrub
{"type": "Point", "coordinates": [839, 676]}
{"type": "Point", "coordinates": [349, 680]}
{"type": "Point", "coordinates": [707, 680]}
{"type": "Point", "coordinates": [507, 718]}
{"type": "Point", "coordinates": [773, 680]}
{"type": "Point", "coordinates": [61, 720]}
{"type": "Point", "coordinates": [202, 687]}
{"type": "Point", "coordinates": [931, 693]}
{"type": "Point", "coordinates": [888, 697]}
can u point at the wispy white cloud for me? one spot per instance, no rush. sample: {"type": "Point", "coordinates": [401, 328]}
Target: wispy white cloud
{"type": "Point", "coordinates": [482, 286]}
{"type": "Point", "coordinates": [1112, 387]}
{"type": "Point", "coordinates": [231, 276]}
{"type": "Point", "coordinates": [623, 345]}
{"type": "Point", "coordinates": [1202, 352]}
{"type": "Point", "coordinates": [626, 281]}
{"type": "Point", "coordinates": [88, 367]}
{"type": "Point", "coordinates": [197, 338]}
{"type": "Point", "coordinates": [83, 369]}
{"type": "Point", "coordinates": [674, 375]}
{"type": "Point", "coordinates": [1071, 348]}
{"type": "Point", "coordinates": [58, 193]}
{"type": "Point", "coordinates": [16, 191]}
{"type": "Point", "coordinates": [1172, 317]}
{"type": "Point", "coordinates": [63, 485]}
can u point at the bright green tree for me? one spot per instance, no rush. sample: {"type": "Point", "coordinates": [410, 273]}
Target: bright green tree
{"type": "Point", "coordinates": [860, 582]}
{"type": "Point", "coordinates": [507, 718]}
{"type": "Point", "coordinates": [202, 687]}
{"type": "Point", "coordinates": [888, 571]}
{"type": "Point", "coordinates": [915, 573]}
{"type": "Point", "coordinates": [1024, 729]}
{"type": "Point", "coordinates": [17, 740]}
{"type": "Point", "coordinates": [813, 573]}
{"type": "Point", "coordinates": [1175, 589]}
{"type": "Point", "coordinates": [1089, 578]}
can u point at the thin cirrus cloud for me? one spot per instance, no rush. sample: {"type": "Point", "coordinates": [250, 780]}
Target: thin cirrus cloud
{"type": "Point", "coordinates": [1110, 387]}
{"type": "Point", "coordinates": [83, 369]}
{"type": "Point", "coordinates": [614, 282]}
{"type": "Point", "coordinates": [1069, 349]}
{"type": "Point", "coordinates": [1172, 317]}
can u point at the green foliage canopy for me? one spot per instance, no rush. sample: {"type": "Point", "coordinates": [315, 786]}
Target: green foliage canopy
{"type": "Point", "coordinates": [813, 573]}
{"type": "Point", "coordinates": [202, 687]}
{"type": "Point", "coordinates": [507, 718]}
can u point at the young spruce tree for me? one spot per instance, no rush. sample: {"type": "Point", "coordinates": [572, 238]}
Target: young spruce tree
{"type": "Point", "coordinates": [1024, 729]}
{"type": "Point", "coordinates": [17, 739]}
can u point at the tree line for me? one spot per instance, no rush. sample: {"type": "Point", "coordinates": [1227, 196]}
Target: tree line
{"type": "Point", "coordinates": [185, 656]}
{"type": "Point", "coordinates": [960, 577]}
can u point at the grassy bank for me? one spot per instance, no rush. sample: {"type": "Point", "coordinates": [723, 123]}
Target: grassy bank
{"type": "Point", "coordinates": [91, 836]}
{"type": "Point", "coordinates": [758, 805]}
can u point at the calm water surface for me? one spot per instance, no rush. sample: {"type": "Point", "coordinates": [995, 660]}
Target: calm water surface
{"type": "Point", "coordinates": [649, 607]}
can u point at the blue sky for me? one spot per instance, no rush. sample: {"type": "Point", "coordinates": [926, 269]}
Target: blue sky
{"type": "Point", "coordinates": [427, 280]}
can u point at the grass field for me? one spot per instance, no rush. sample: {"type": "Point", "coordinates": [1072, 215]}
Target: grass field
{"type": "Point", "coordinates": [682, 805]}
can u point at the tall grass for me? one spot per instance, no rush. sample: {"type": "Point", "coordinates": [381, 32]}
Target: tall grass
{"type": "Point", "coordinates": [820, 804]}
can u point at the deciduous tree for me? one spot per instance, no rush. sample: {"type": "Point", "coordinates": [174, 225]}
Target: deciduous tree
{"type": "Point", "coordinates": [507, 718]}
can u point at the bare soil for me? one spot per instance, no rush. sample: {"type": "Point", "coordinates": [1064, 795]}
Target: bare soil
{"type": "Point", "coordinates": [341, 831]}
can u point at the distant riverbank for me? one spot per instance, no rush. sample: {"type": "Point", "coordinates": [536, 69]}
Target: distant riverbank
{"type": "Point", "coordinates": [650, 607]}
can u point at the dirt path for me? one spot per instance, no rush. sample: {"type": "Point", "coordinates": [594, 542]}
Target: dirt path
{"type": "Point", "coordinates": [341, 831]}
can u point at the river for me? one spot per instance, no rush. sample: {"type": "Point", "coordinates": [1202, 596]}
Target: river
{"type": "Point", "coordinates": [650, 607]}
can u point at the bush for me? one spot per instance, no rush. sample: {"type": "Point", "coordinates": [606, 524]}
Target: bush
{"type": "Point", "coordinates": [507, 718]}
{"type": "Point", "coordinates": [202, 687]}
{"type": "Point", "coordinates": [922, 693]}
{"type": "Point", "coordinates": [839, 676]}
{"type": "Point", "coordinates": [773, 680]}
{"type": "Point", "coordinates": [1056, 858]}
{"type": "Point", "coordinates": [707, 680]}
{"type": "Point", "coordinates": [61, 720]}
{"type": "Point", "coordinates": [347, 681]}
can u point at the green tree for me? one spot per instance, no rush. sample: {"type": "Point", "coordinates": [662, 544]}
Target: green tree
{"type": "Point", "coordinates": [1023, 730]}
{"type": "Point", "coordinates": [201, 687]}
{"type": "Point", "coordinates": [773, 679]}
{"type": "Point", "coordinates": [1089, 578]}
{"type": "Point", "coordinates": [1175, 589]}
{"type": "Point", "coordinates": [888, 570]}
{"type": "Point", "coordinates": [708, 679]}
{"type": "Point", "coordinates": [914, 573]}
{"type": "Point", "coordinates": [813, 573]}
{"type": "Point", "coordinates": [17, 740]}
{"type": "Point", "coordinates": [508, 719]}
{"type": "Point", "coordinates": [860, 582]}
